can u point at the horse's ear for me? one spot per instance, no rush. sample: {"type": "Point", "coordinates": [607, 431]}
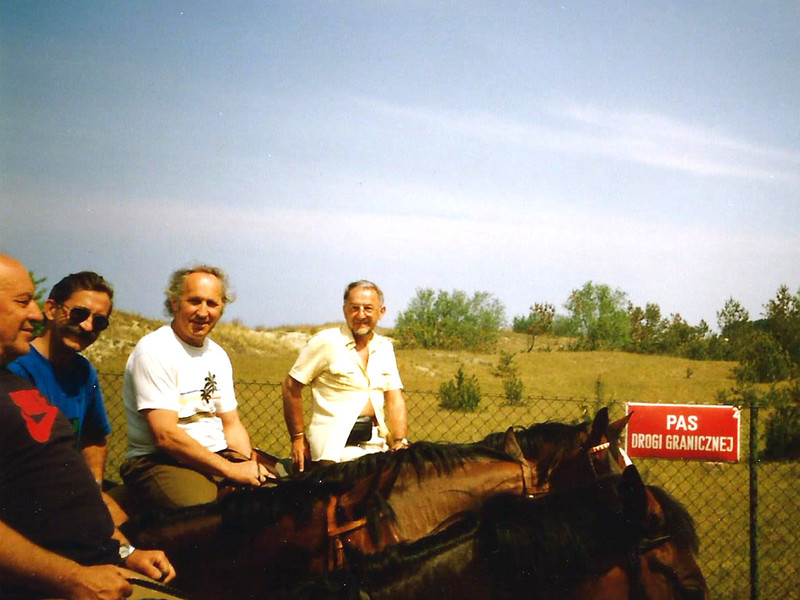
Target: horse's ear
{"type": "Point", "coordinates": [599, 427]}
{"type": "Point", "coordinates": [511, 445]}
{"type": "Point", "coordinates": [615, 428]}
{"type": "Point", "coordinates": [634, 496]}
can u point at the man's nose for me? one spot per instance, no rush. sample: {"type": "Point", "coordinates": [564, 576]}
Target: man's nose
{"type": "Point", "coordinates": [87, 324]}
{"type": "Point", "coordinates": [34, 312]}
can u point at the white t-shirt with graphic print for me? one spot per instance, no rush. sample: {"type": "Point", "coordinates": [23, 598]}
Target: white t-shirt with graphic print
{"type": "Point", "coordinates": [196, 382]}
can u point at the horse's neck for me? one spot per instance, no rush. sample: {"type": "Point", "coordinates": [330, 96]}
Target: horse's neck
{"type": "Point", "coordinates": [421, 504]}
{"type": "Point", "coordinates": [189, 533]}
{"type": "Point", "coordinates": [449, 573]}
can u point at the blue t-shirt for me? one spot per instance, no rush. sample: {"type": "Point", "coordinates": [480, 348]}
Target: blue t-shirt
{"type": "Point", "coordinates": [75, 390]}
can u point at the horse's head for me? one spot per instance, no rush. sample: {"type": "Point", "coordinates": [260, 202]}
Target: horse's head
{"type": "Point", "coordinates": [591, 460]}
{"type": "Point", "coordinates": [664, 567]}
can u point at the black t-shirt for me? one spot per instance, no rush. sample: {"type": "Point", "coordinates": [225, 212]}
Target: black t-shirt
{"type": "Point", "coordinates": [47, 492]}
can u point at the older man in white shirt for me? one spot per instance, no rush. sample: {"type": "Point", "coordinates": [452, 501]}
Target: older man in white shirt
{"type": "Point", "coordinates": [357, 398]}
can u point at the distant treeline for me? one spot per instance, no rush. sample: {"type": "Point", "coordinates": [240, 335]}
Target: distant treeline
{"type": "Point", "coordinates": [599, 317]}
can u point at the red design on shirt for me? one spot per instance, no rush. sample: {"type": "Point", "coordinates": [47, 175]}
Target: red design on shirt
{"type": "Point", "coordinates": [38, 413]}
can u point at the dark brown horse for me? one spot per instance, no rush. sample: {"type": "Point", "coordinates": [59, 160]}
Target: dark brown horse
{"type": "Point", "coordinates": [254, 541]}
{"type": "Point", "coordinates": [594, 542]}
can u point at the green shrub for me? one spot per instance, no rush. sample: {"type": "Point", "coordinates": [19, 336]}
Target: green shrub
{"type": "Point", "coordinates": [763, 360]}
{"type": "Point", "coordinates": [513, 387]}
{"type": "Point", "coordinates": [462, 393]}
{"type": "Point", "coordinates": [782, 434]}
{"type": "Point", "coordinates": [512, 384]}
{"type": "Point", "coordinates": [450, 320]}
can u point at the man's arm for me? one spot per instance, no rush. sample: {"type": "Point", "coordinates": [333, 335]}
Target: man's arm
{"type": "Point", "coordinates": [24, 563]}
{"type": "Point", "coordinates": [94, 453]}
{"type": "Point", "coordinates": [174, 441]}
{"type": "Point", "coordinates": [292, 391]}
{"type": "Point", "coordinates": [235, 433]}
{"type": "Point", "coordinates": [396, 418]}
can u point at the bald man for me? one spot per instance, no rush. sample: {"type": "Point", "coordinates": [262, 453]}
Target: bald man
{"type": "Point", "coordinates": [58, 536]}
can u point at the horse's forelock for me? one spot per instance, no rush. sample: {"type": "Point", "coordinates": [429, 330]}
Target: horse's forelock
{"type": "Point", "coordinates": [677, 521]}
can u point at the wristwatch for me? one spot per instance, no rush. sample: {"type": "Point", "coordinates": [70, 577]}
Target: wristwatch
{"type": "Point", "coordinates": [125, 550]}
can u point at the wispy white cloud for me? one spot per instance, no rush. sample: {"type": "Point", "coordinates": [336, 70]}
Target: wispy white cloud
{"type": "Point", "coordinates": [633, 136]}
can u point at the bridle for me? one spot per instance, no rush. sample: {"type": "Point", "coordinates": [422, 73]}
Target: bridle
{"type": "Point", "coordinates": [633, 565]}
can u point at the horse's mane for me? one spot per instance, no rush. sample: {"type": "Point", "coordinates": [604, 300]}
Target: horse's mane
{"type": "Point", "coordinates": [677, 520]}
{"type": "Point", "coordinates": [555, 541]}
{"type": "Point", "coordinates": [250, 508]}
{"type": "Point", "coordinates": [442, 456]}
{"type": "Point", "coordinates": [535, 439]}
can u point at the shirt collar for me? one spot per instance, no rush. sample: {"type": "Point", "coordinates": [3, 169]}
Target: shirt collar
{"type": "Point", "coordinates": [350, 341]}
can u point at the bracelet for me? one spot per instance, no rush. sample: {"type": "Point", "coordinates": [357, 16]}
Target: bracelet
{"type": "Point", "coordinates": [297, 435]}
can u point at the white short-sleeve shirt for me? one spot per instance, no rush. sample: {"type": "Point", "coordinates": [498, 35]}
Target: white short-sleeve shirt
{"type": "Point", "coordinates": [341, 386]}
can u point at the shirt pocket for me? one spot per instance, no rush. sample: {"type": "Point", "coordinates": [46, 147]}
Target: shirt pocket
{"type": "Point", "coordinates": [346, 374]}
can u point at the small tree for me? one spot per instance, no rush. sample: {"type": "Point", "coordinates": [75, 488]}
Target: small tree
{"type": "Point", "coordinates": [762, 360]}
{"type": "Point", "coordinates": [538, 322]}
{"type": "Point", "coordinates": [735, 329]}
{"type": "Point", "coordinates": [450, 320]}
{"type": "Point", "coordinates": [783, 424]}
{"type": "Point", "coordinates": [512, 384]}
{"type": "Point", "coordinates": [462, 393]}
{"type": "Point", "coordinates": [783, 322]}
{"type": "Point", "coordinates": [599, 317]}
{"type": "Point", "coordinates": [647, 328]}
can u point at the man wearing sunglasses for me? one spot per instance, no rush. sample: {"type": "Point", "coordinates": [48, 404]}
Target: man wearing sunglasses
{"type": "Point", "coordinates": [76, 313]}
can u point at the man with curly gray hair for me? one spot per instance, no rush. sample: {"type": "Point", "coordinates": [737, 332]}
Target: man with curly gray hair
{"type": "Point", "coordinates": [183, 423]}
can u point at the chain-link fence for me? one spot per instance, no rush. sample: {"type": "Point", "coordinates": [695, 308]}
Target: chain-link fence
{"type": "Point", "coordinates": [734, 519]}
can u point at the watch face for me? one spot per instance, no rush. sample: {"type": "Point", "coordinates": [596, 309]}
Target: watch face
{"type": "Point", "coordinates": [125, 550]}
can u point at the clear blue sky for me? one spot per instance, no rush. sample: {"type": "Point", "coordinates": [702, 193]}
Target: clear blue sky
{"type": "Point", "coordinates": [519, 148]}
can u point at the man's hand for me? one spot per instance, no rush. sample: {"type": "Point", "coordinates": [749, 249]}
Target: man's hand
{"type": "Point", "coordinates": [399, 444]}
{"type": "Point", "coordinates": [248, 472]}
{"type": "Point", "coordinates": [301, 452]}
{"type": "Point", "coordinates": [152, 563]}
{"type": "Point", "coordinates": [103, 582]}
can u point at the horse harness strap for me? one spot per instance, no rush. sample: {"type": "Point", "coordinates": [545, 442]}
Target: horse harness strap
{"type": "Point", "coordinates": [527, 479]}
{"type": "Point", "coordinates": [335, 532]}
{"type": "Point", "coordinates": [595, 450]}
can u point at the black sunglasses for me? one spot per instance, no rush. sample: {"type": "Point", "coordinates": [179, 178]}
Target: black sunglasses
{"type": "Point", "coordinates": [79, 314]}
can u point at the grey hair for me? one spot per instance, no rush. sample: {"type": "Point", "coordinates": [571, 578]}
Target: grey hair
{"type": "Point", "coordinates": [178, 279]}
{"type": "Point", "coordinates": [363, 283]}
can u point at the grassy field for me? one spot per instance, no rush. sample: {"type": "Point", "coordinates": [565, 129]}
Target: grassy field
{"type": "Point", "coordinates": [267, 355]}
{"type": "Point", "coordinates": [558, 385]}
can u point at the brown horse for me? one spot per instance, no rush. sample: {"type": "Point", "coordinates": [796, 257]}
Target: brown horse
{"type": "Point", "coordinates": [594, 542]}
{"type": "Point", "coordinates": [547, 444]}
{"type": "Point", "coordinates": [254, 541]}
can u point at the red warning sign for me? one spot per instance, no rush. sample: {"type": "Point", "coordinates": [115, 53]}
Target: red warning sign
{"type": "Point", "coordinates": [683, 431]}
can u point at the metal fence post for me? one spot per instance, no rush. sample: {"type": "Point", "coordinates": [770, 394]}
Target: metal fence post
{"type": "Point", "coordinates": [753, 496]}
